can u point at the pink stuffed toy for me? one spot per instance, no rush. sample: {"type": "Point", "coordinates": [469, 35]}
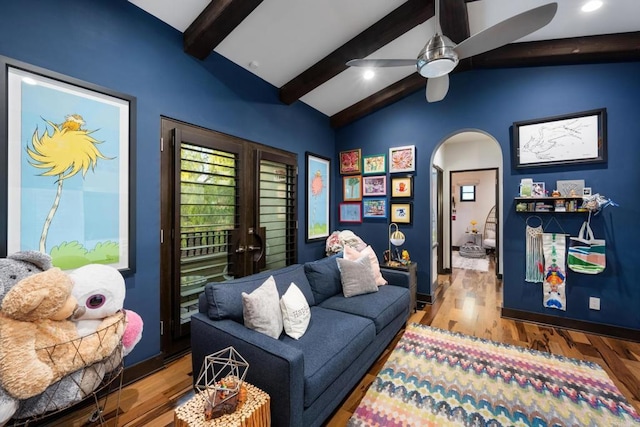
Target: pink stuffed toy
{"type": "Point", "coordinates": [132, 332]}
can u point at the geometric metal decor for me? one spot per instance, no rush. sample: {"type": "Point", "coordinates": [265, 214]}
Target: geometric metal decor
{"type": "Point", "coordinates": [220, 381]}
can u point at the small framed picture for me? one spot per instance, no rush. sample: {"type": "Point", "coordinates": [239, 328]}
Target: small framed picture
{"type": "Point", "coordinates": [402, 159]}
{"type": "Point", "coordinates": [351, 162]}
{"type": "Point", "coordinates": [374, 208]}
{"type": "Point", "coordinates": [352, 188]}
{"type": "Point", "coordinates": [402, 186]}
{"type": "Point", "coordinates": [586, 191]}
{"type": "Point", "coordinates": [401, 213]}
{"type": "Point", "coordinates": [374, 164]}
{"type": "Point", "coordinates": [374, 185]}
{"type": "Point", "coordinates": [537, 190]}
{"type": "Point", "coordinates": [350, 212]}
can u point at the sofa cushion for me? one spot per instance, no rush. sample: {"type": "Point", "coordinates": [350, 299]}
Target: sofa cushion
{"type": "Point", "coordinates": [352, 254]}
{"type": "Point", "coordinates": [295, 312]}
{"type": "Point", "coordinates": [324, 277]}
{"type": "Point", "coordinates": [381, 307]}
{"type": "Point", "coordinates": [224, 299]}
{"type": "Point", "coordinates": [357, 276]}
{"type": "Point", "coordinates": [261, 309]}
{"type": "Point", "coordinates": [332, 342]}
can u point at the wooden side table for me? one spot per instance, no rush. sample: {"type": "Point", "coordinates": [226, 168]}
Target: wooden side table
{"type": "Point", "coordinates": [254, 412]}
{"type": "Point", "coordinates": [411, 273]}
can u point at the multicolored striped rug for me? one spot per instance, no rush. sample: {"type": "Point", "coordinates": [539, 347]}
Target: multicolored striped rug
{"type": "Point", "coordinates": [440, 378]}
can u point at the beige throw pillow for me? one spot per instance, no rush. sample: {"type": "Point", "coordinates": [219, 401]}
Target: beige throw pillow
{"type": "Point", "coordinates": [352, 254]}
{"type": "Point", "coordinates": [295, 312]}
{"type": "Point", "coordinates": [357, 277]}
{"type": "Point", "coordinates": [261, 309]}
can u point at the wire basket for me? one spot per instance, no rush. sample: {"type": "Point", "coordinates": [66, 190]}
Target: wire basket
{"type": "Point", "coordinates": [90, 375]}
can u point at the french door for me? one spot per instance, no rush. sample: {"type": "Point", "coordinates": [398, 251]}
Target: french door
{"type": "Point", "coordinates": [228, 210]}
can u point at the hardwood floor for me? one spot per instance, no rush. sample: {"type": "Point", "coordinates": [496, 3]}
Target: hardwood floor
{"type": "Point", "coordinates": [467, 301]}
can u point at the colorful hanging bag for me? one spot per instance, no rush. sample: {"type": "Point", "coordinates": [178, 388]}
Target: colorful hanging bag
{"type": "Point", "coordinates": [586, 253]}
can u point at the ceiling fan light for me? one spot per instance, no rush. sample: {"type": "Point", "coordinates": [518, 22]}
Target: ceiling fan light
{"type": "Point", "coordinates": [437, 58]}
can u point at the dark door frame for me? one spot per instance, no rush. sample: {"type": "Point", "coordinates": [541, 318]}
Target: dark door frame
{"type": "Point", "coordinates": [497, 204]}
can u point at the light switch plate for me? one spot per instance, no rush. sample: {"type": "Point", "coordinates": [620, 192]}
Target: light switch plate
{"type": "Point", "coordinates": [594, 303]}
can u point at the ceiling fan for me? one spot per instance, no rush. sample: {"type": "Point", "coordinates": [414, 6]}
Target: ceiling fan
{"type": "Point", "coordinates": [440, 55]}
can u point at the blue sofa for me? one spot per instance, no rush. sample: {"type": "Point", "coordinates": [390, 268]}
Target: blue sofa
{"type": "Point", "coordinates": [307, 379]}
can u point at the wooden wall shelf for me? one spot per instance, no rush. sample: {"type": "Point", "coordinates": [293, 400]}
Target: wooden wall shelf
{"type": "Point", "coordinates": [549, 204]}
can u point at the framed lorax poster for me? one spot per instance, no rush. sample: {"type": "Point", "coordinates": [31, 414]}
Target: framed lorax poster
{"type": "Point", "coordinates": [69, 181]}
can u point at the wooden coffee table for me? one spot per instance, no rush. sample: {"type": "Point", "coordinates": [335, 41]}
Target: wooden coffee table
{"type": "Point", "coordinates": [254, 412]}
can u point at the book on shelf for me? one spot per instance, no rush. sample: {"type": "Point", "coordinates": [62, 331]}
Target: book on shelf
{"type": "Point", "coordinates": [543, 207]}
{"type": "Point", "coordinates": [559, 205]}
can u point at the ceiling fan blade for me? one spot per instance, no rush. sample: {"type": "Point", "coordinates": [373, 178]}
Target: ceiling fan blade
{"type": "Point", "coordinates": [507, 31]}
{"type": "Point", "coordinates": [437, 88]}
{"type": "Point", "coordinates": [381, 62]}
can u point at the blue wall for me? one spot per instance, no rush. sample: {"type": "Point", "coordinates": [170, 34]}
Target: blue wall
{"type": "Point", "coordinates": [114, 44]}
{"type": "Point", "coordinates": [491, 101]}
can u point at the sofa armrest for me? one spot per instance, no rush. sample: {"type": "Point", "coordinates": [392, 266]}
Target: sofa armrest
{"type": "Point", "coordinates": [396, 277]}
{"type": "Point", "coordinates": [274, 367]}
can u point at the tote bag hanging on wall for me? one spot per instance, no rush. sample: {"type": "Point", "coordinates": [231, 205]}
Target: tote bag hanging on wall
{"type": "Point", "coordinates": [586, 254]}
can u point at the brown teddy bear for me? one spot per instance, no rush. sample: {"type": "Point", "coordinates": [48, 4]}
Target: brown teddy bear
{"type": "Point", "coordinates": [38, 343]}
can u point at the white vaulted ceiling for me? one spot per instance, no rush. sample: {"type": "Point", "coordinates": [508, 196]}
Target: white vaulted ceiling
{"type": "Point", "coordinates": [281, 39]}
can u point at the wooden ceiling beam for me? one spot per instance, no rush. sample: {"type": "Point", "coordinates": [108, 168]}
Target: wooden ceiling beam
{"type": "Point", "coordinates": [405, 17]}
{"type": "Point", "coordinates": [580, 50]}
{"type": "Point", "coordinates": [216, 22]}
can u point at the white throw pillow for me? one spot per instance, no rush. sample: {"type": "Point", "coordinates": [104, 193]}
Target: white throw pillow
{"type": "Point", "coordinates": [261, 309]}
{"type": "Point", "coordinates": [295, 312]}
{"type": "Point", "coordinates": [352, 254]}
{"type": "Point", "coordinates": [357, 277]}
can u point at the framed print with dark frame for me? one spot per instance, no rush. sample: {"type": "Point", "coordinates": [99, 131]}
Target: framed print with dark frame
{"type": "Point", "coordinates": [374, 208]}
{"type": "Point", "coordinates": [374, 185]}
{"type": "Point", "coordinates": [374, 164]}
{"type": "Point", "coordinates": [317, 181]}
{"type": "Point", "coordinates": [350, 212]}
{"type": "Point", "coordinates": [401, 213]}
{"type": "Point", "coordinates": [70, 145]}
{"type": "Point", "coordinates": [402, 186]}
{"type": "Point", "coordinates": [576, 138]}
{"type": "Point", "coordinates": [402, 159]}
{"type": "Point", "coordinates": [351, 162]}
{"type": "Point", "coordinates": [352, 188]}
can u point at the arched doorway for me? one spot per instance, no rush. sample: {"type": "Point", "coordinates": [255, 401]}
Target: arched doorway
{"type": "Point", "coordinates": [466, 150]}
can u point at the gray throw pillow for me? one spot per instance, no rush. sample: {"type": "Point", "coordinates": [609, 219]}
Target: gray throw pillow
{"type": "Point", "coordinates": [357, 276]}
{"type": "Point", "coordinates": [261, 309]}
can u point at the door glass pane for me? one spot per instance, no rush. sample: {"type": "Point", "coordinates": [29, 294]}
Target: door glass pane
{"type": "Point", "coordinates": [277, 212]}
{"type": "Point", "coordinates": [208, 197]}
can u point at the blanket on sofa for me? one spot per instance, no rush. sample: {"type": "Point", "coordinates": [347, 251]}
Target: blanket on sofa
{"type": "Point", "coordinates": [439, 378]}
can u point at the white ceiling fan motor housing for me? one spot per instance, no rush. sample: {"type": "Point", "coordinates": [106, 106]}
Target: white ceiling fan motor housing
{"type": "Point", "coordinates": [437, 57]}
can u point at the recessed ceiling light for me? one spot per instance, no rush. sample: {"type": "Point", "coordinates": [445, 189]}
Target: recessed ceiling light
{"type": "Point", "coordinates": [592, 5]}
{"type": "Point", "coordinates": [368, 74]}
